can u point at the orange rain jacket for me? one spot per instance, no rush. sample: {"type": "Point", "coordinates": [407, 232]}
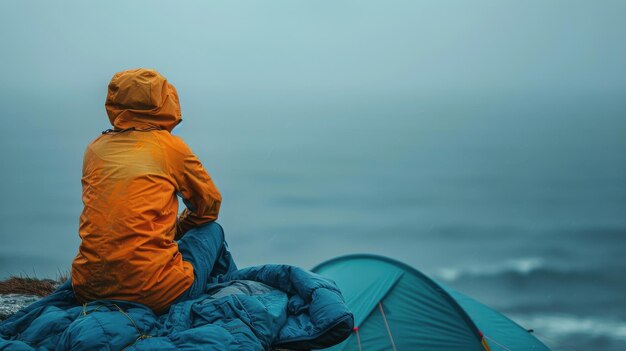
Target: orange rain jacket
{"type": "Point", "coordinates": [131, 176]}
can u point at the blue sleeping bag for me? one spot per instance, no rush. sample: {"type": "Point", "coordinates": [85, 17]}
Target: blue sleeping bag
{"type": "Point", "coordinates": [257, 308]}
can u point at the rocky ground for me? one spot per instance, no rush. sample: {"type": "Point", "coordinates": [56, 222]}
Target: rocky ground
{"type": "Point", "coordinates": [11, 303]}
{"type": "Point", "coordinates": [19, 292]}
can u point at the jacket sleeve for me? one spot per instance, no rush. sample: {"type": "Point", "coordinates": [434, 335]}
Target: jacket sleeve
{"type": "Point", "coordinates": [197, 190]}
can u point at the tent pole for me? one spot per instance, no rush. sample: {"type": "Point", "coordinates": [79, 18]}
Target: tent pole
{"type": "Point", "coordinates": [358, 338]}
{"type": "Point", "coordinates": [393, 344]}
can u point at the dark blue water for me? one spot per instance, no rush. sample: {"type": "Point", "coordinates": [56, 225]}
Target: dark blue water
{"type": "Point", "coordinates": [518, 200]}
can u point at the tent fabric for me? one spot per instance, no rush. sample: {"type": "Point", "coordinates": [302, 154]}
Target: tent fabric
{"type": "Point", "coordinates": [420, 315]}
{"type": "Point", "coordinates": [502, 333]}
{"type": "Point", "coordinates": [365, 290]}
{"type": "Point", "coordinates": [298, 309]}
{"type": "Point", "coordinates": [416, 313]}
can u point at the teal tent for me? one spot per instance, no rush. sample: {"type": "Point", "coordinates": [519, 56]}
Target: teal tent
{"type": "Point", "coordinates": [399, 308]}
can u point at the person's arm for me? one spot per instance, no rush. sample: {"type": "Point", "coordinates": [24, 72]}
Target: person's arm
{"type": "Point", "coordinates": [197, 190]}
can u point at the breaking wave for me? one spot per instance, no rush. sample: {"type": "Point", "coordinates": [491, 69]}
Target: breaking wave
{"type": "Point", "coordinates": [535, 271]}
{"type": "Point", "coordinates": [523, 266]}
{"type": "Point", "coordinates": [562, 326]}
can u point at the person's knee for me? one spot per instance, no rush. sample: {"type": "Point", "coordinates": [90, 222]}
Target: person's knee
{"type": "Point", "coordinates": [212, 228]}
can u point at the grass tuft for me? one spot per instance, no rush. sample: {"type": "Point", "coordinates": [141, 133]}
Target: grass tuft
{"type": "Point", "coordinates": [31, 286]}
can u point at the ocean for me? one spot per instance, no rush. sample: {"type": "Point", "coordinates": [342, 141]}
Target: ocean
{"type": "Point", "coordinates": [517, 199]}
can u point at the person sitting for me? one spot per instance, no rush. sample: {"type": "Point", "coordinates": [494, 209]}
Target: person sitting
{"type": "Point", "coordinates": [134, 246]}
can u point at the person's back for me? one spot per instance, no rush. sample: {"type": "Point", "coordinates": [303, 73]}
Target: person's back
{"type": "Point", "coordinates": [131, 176]}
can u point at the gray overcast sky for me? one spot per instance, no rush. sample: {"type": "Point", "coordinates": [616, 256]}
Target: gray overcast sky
{"type": "Point", "coordinates": [362, 46]}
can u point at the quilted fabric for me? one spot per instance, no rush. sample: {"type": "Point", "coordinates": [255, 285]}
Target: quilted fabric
{"type": "Point", "coordinates": [257, 308]}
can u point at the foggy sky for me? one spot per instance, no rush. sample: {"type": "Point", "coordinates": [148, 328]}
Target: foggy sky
{"type": "Point", "coordinates": [366, 46]}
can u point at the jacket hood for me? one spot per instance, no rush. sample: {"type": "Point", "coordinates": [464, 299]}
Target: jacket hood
{"type": "Point", "coordinates": [142, 98]}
